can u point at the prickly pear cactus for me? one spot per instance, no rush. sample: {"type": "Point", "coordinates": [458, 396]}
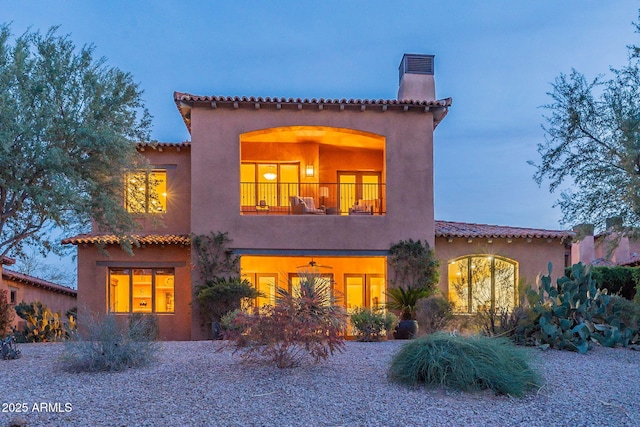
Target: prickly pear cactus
{"type": "Point", "coordinates": [572, 315]}
{"type": "Point", "coordinates": [42, 325]}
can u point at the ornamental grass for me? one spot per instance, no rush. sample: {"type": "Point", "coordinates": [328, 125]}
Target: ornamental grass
{"type": "Point", "coordinates": [465, 364]}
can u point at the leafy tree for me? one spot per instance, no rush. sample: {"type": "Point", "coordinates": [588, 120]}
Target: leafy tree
{"type": "Point", "coordinates": [416, 272]}
{"type": "Point", "coordinates": [67, 122]}
{"type": "Point", "coordinates": [593, 143]}
{"type": "Point", "coordinates": [30, 263]}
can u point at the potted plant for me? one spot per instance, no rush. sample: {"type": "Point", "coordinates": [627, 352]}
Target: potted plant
{"type": "Point", "coordinates": [404, 301]}
{"type": "Point", "coordinates": [415, 272]}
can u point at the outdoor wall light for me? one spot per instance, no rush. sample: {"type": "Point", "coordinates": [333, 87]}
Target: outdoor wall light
{"type": "Point", "coordinates": [309, 171]}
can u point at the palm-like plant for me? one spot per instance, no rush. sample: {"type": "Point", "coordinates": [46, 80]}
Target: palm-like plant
{"type": "Point", "coordinates": [404, 300]}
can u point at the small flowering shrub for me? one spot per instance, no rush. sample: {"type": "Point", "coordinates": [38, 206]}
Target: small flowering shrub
{"type": "Point", "coordinates": [372, 324]}
{"type": "Point", "coordinates": [305, 325]}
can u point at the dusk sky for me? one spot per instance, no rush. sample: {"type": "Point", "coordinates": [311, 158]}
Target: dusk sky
{"type": "Point", "coordinates": [496, 59]}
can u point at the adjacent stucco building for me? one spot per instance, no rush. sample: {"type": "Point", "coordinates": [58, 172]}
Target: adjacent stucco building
{"type": "Point", "coordinates": [25, 288]}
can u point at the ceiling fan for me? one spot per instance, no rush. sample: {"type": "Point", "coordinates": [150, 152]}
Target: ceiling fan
{"type": "Point", "coordinates": [313, 264]}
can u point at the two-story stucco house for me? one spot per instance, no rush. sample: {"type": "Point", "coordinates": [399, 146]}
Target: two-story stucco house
{"type": "Point", "coordinates": [297, 183]}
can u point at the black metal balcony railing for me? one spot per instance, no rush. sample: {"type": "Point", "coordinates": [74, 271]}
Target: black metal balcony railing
{"type": "Point", "coordinates": [280, 198]}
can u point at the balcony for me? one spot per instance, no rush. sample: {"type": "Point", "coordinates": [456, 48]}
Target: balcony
{"type": "Point", "coordinates": [281, 198]}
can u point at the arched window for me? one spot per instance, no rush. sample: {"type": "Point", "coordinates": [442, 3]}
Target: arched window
{"type": "Point", "coordinates": [482, 282]}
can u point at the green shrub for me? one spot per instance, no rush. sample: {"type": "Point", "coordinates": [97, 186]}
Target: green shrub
{"type": "Point", "coordinates": [107, 344]}
{"type": "Point", "coordinates": [42, 325]}
{"type": "Point", "coordinates": [304, 325]}
{"type": "Point", "coordinates": [623, 313]}
{"type": "Point", "coordinates": [433, 314]}
{"type": "Point", "coordinates": [372, 324]}
{"type": "Point", "coordinates": [6, 312]}
{"type": "Point", "coordinates": [219, 296]}
{"type": "Point", "coordinates": [572, 315]}
{"type": "Point", "coordinates": [228, 323]}
{"type": "Point", "coordinates": [616, 280]}
{"type": "Point", "coordinates": [222, 290]}
{"type": "Point", "coordinates": [415, 271]}
{"type": "Point", "coordinates": [465, 364]}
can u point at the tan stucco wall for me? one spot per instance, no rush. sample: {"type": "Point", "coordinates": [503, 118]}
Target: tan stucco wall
{"type": "Point", "coordinates": [93, 275]}
{"type": "Point", "coordinates": [215, 181]}
{"type": "Point", "coordinates": [532, 257]}
{"type": "Point", "coordinates": [55, 301]}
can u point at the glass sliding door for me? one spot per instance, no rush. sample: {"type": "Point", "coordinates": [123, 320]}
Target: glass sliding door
{"type": "Point", "coordinates": [354, 288]}
{"type": "Point", "coordinates": [266, 283]}
{"type": "Point", "coordinates": [360, 189]}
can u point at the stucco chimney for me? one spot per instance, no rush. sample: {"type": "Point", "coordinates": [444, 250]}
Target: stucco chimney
{"type": "Point", "coordinates": [416, 78]}
{"type": "Point", "coordinates": [583, 249]}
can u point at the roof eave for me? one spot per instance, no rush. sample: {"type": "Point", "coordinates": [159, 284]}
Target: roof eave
{"type": "Point", "coordinates": [185, 102]}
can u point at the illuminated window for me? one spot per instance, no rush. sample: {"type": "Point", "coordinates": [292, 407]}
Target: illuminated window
{"type": "Point", "coordinates": [364, 290]}
{"type": "Point", "coordinates": [323, 282]}
{"type": "Point", "coordinates": [268, 184]}
{"type": "Point", "coordinates": [266, 283]}
{"type": "Point", "coordinates": [141, 290]}
{"type": "Point", "coordinates": [482, 283]}
{"type": "Point", "coordinates": [146, 192]}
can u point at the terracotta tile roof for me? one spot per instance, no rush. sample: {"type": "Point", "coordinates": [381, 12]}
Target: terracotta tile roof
{"type": "Point", "coordinates": [160, 145]}
{"type": "Point", "coordinates": [5, 260]}
{"type": "Point", "coordinates": [467, 230]}
{"type": "Point", "coordinates": [36, 282]}
{"type": "Point", "coordinates": [147, 239]}
{"type": "Point", "coordinates": [633, 261]}
{"type": "Point", "coordinates": [184, 102]}
{"type": "Point", "coordinates": [603, 262]}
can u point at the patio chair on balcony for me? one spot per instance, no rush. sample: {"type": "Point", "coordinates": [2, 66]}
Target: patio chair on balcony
{"type": "Point", "coordinates": [304, 205]}
{"type": "Point", "coordinates": [365, 207]}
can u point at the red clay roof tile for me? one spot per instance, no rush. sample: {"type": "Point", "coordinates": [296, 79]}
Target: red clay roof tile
{"type": "Point", "coordinates": [467, 230]}
{"type": "Point", "coordinates": [184, 102]}
{"type": "Point", "coordinates": [37, 282]}
{"type": "Point", "coordinates": [5, 260]}
{"type": "Point", "coordinates": [178, 145]}
{"type": "Point", "coordinates": [111, 239]}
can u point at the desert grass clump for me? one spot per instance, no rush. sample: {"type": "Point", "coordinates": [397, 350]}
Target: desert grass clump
{"type": "Point", "coordinates": [107, 344]}
{"type": "Point", "coordinates": [465, 363]}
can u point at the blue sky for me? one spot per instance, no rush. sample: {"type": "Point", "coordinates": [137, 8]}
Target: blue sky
{"type": "Point", "coordinates": [495, 58]}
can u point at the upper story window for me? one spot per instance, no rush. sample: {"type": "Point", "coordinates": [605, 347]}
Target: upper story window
{"type": "Point", "coordinates": [146, 192]}
{"type": "Point", "coordinates": [268, 185]}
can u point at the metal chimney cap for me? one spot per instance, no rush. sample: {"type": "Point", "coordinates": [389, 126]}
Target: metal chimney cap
{"type": "Point", "coordinates": [416, 64]}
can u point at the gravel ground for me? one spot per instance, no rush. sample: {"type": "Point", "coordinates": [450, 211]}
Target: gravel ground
{"type": "Point", "coordinates": [194, 385]}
